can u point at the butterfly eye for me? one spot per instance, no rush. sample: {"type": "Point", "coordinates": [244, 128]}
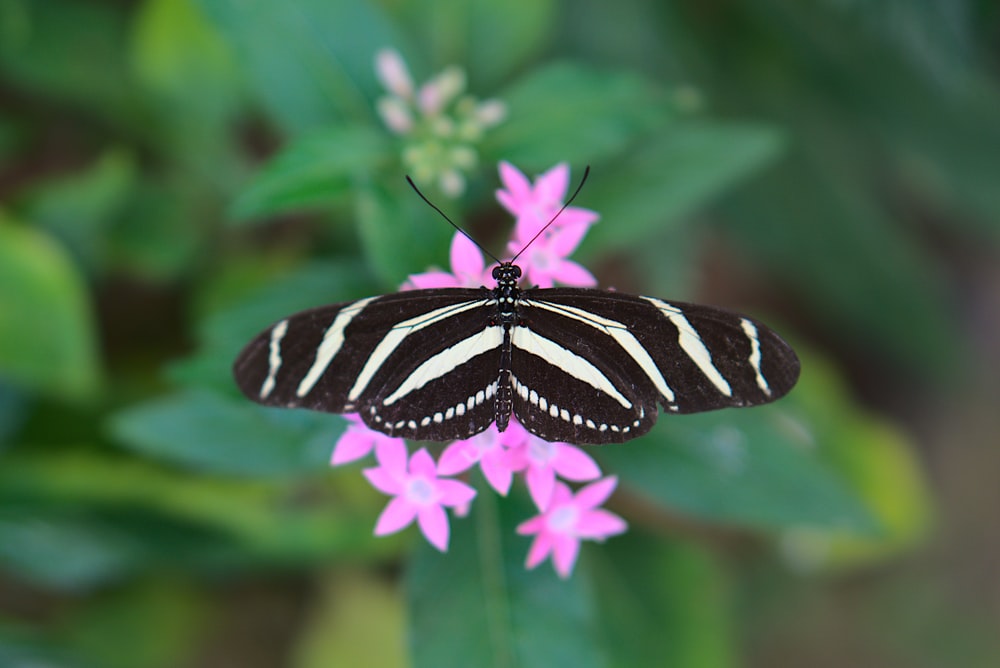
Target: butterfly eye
{"type": "Point", "coordinates": [517, 271]}
{"type": "Point", "coordinates": [496, 272]}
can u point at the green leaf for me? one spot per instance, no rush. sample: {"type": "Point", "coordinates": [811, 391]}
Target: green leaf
{"type": "Point", "coordinates": [40, 52]}
{"type": "Point", "coordinates": [755, 467]}
{"type": "Point", "coordinates": [206, 431]}
{"type": "Point", "coordinates": [877, 460]}
{"type": "Point", "coordinates": [317, 169]}
{"type": "Point", "coordinates": [222, 334]}
{"type": "Point", "coordinates": [311, 62]}
{"type": "Point", "coordinates": [862, 277]}
{"type": "Point", "coordinates": [399, 235]}
{"type": "Point", "coordinates": [489, 39]}
{"type": "Point", "coordinates": [177, 54]}
{"type": "Point", "coordinates": [46, 332]}
{"type": "Point", "coordinates": [153, 623]}
{"type": "Point", "coordinates": [13, 412]}
{"type": "Point", "coordinates": [476, 605]}
{"type": "Point", "coordinates": [682, 167]}
{"type": "Point", "coordinates": [358, 619]}
{"type": "Point", "coordinates": [21, 645]}
{"type": "Point", "coordinates": [568, 113]}
{"type": "Point", "coordinates": [661, 602]}
{"type": "Point", "coordinates": [178, 519]}
{"type": "Point", "coordinates": [633, 601]}
{"type": "Point", "coordinates": [63, 552]}
{"type": "Point", "coordinates": [162, 231]}
{"type": "Point", "coordinates": [81, 208]}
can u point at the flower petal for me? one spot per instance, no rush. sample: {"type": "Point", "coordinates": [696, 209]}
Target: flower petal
{"type": "Point", "coordinates": [422, 464]}
{"type": "Point", "coordinates": [392, 456]}
{"type": "Point", "coordinates": [458, 457]}
{"type": "Point", "coordinates": [539, 549]}
{"type": "Point", "coordinates": [571, 273]}
{"type": "Point", "coordinates": [534, 525]}
{"type": "Point", "coordinates": [454, 492]}
{"type": "Point", "coordinates": [433, 522]}
{"type": "Point", "coordinates": [565, 552]}
{"type": "Point", "coordinates": [565, 239]}
{"type": "Point", "coordinates": [599, 524]}
{"type": "Point", "coordinates": [430, 279]}
{"type": "Point", "coordinates": [466, 258]}
{"type": "Point", "coordinates": [550, 187]}
{"type": "Point", "coordinates": [514, 435]}
{"type": "Point", "coordinates": [574, 215]}
{"type": "Point", "coordinates": [596, 493]}
{"type": "Point", "coordinates": [397, 515]}
{"type": "Point", "coordinates": [351, 446]}
{"type": "Point", "coordinates": [516, 184]}
{"type": "Point", "coordinates": [561, 495]}
{"type": "Point", "coordinates": [384, 481]}
{"type": "Point", "coordinates": [541, 481]}
{"type": "Point", "coordinates": [497, 472]}
{"type": "Point", "coordinates": [572, 463]}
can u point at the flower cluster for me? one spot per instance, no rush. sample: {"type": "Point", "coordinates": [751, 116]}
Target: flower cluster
{"type": "Point", "coordinates": [419, 486]}
{"type": "Point", "coordinates": [438, 121]}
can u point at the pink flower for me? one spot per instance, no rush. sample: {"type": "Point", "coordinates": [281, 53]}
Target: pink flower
{"type": "Point", "coordinates": [568, 520]}
{"type": "Point", "coordinates": [485, 448]}
{"type": "Point", "coordinates": [467, 265]}
{"type": "Point", "coordinates": [418, 492]}
{"type": "Point", "coordinates": [357, 441]}
{"type": "Point", "coordinates": [544, 262]}
{"type": "Point", "coordinates": [543, 460]}
{"type": "Point", "coordinates": [535, 205]}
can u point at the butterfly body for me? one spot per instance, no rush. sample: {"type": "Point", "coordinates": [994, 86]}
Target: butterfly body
{"type": "Point", "coordinates": [572, 364]}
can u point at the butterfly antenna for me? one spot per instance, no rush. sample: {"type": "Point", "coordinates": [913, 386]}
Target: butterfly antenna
{"type": "Point", "coordinates": [450, 221]}
{"type": "Point", "coordinates": [583, 179]}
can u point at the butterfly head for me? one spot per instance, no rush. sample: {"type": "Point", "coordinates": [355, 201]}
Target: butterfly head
{"type": "Point", "coordinates": [506, 273]}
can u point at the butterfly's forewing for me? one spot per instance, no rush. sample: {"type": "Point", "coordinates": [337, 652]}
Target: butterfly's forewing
{"type": "Point", "coordinates": [420, 364]}
{"type": "Point", "coordinates": [610, 360]}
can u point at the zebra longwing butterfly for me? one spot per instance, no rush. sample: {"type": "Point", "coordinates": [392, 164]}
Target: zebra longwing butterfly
{"type": "Point", "coordinates": [572, 364]}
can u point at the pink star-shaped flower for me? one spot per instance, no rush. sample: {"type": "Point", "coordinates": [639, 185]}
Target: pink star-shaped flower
{"type": "Point", "coordinates": [534, 205]}
{"type": "Point", "coordinates": [357, 441]}
{"type": "Point", "coordinates": [487, 449]}
{"type": "Point", "coordinates": [568, 520]}
{"type": "Point", "coordinates": [418, 493]}
{"type": "Point", "coordinates": [542, 460]}
{"type": "Point", "coordinates": [467, 265]}
{"type": "Point", "coordinates": [544, 262]}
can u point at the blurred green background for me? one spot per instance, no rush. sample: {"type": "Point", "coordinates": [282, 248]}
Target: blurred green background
{"type": "Point", "coordinates": [176, 174]}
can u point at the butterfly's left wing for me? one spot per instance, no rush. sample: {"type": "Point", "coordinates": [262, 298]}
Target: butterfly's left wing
{"type": "Point", "coordinates": [591, 366]}
{"type": "Point", "coordinates": [420, 364]}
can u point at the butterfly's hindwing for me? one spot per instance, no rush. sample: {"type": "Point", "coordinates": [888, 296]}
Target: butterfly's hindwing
{"type": "Point", "coordinates": [400, 360]}
{"type": "Point", "coordinates": [571, 381]}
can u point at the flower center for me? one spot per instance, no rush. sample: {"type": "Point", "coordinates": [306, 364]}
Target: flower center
{"type": "Point", "coordinates": [541, 452]}
{"type": "Point", "coordinates": [541, 260]}
{"type": "Point", "coordinates": [562, 519]}
{"type": "Point", "coordinates": [420, 491]}
{"type": "Point", "coordinates": [486, 441]}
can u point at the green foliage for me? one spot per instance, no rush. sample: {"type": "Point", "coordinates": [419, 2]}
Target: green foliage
{"type": "Point", "coordinates": [46, 329]}
{"type": "Point", "coordinates": [205, 431]}
{"type": "Point", "coordinates": [182, 173]}
{"type": "Point", "coordinates": [634, 600]}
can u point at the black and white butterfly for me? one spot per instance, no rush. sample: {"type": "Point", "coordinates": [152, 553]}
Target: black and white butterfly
{"type": "Point", "coordinates": [572, 364]}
